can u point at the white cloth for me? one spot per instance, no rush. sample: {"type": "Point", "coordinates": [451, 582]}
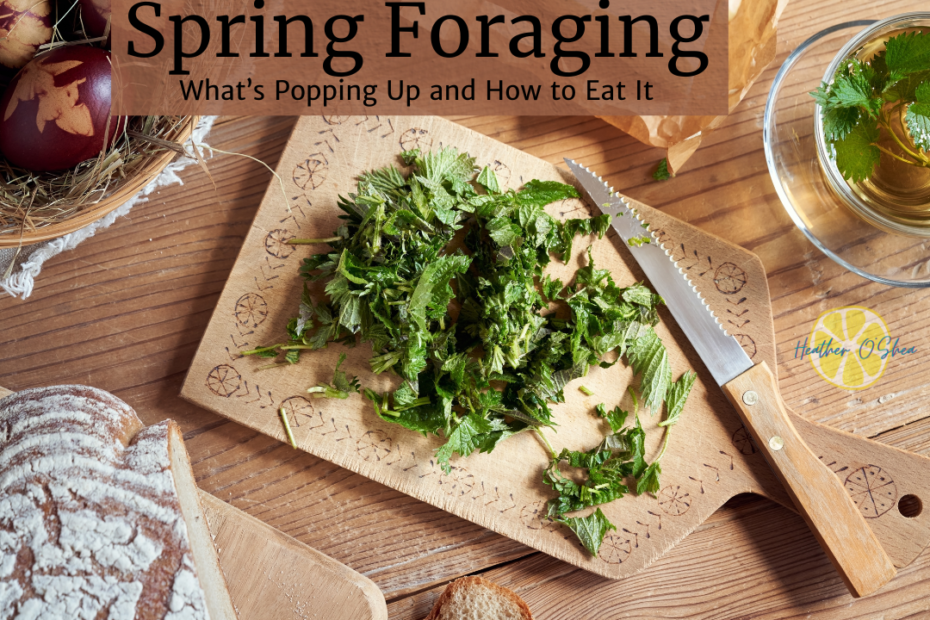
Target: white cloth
{"type": "Point", "coordinates": [28, 264]}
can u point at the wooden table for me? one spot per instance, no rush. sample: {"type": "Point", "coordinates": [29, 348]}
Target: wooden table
{"type": "Point", "coordinates": [125, 311]}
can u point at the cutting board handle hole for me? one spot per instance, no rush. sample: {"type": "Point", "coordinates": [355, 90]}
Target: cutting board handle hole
{"type": "Point", "coordinates": [910, 506]}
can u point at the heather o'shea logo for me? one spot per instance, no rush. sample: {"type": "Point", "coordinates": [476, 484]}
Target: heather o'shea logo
{"type": "Point", "coordinates": [850, 347]}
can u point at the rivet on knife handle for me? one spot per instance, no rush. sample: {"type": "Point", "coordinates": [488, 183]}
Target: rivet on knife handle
{"type": "Point", "coordinates": [817, 492]}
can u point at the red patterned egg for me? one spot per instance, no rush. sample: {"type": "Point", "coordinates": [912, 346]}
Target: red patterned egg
{"type": "Point", "coordinates": [95, 14]}
{"type": "Point", "coordinates": [24, 26]}
{"type": "Point", "coordinates": [54, 113]}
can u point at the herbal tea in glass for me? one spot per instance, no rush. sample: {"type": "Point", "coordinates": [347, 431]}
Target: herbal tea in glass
{"type": "Point", "coordinates": [873, 125]}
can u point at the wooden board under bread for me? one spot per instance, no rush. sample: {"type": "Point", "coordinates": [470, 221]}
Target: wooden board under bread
{"type": "Point", "coordinates": [710, 458]}
{"type": "Point", "coordinates": [271, 576]}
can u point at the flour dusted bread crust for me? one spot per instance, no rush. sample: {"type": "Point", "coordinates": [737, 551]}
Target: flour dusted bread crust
{"type": "Point", "coordinates": [476, 598]}
{"type": "Point", "coordinates": [99, 516]}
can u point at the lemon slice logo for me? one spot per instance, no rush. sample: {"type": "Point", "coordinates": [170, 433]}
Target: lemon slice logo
{"type": "Point", "coordinates": [845, 343]}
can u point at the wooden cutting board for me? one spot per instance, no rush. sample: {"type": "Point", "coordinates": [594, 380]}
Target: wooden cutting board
{"type": "Point", "coordinates": [710, 457]}
{"type": "Point", "coordinates": [272, 576]}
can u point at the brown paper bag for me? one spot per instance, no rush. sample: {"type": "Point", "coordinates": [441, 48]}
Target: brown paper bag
{"type": "Point", "coordinates": [752, 47]}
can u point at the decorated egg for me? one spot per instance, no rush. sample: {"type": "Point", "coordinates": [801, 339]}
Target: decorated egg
{"type": "Point", "coordinates": [54, 113]}
{"type": "Point", "coordinates": [95, 14]}
{"type": "Point", "coordinates": [24, 26]}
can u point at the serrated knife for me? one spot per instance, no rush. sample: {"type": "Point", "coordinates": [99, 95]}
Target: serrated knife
{"type": "Point", "coordinates": [816, 491]}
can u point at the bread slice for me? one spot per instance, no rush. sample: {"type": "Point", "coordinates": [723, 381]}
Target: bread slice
{"type": "Point", "coordinates": [476, 598]}
{"type": "Point", "coordinates": [100, 515]}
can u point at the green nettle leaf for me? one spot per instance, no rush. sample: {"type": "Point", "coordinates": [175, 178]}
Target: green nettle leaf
{"type": "Point", "coordinates": [661, 173]}
{"type": "Point", "coordinates": [503, 231]}
{"type": "Point", "coordinates": [590, 530]}
{"type": "Point", "coordinates": [542, 193]}
{"type": "Point", "coordinates": [649, 359]}
{"type": "Point", "coordinates": [838, 122]}
{"type": "Point", "coordinates": [636, 439]}
{"type": "Point", "coordinates": [341, 386]}
{"type": "Point", "coordinates": [908, 52]}
{"type": "Point", "coordinates": [464, 439]}
{"type": "Point", "coordinates": [488, 180]}
{"type": "Point", "coordinates": [922, 93]}
{"type": "Point", "coordinates": [435, 276]}
{"type": "Point", "coordinates": [852, 91]}
{"type": "Point", "coordinates": [649, 481]}
{"type": "Point", "coordinates": [615, 417]}
{"type": "Point", "coordinates": [856, 154]}
{"type": "Point", "coordinates": [918, 124]}
{"type": "Point", "coordinates": [904, 88]}
{"type": "Point", "coordinates": [638, 294]}
{"type": "Point", "coordinates": [822, 94]}
{"type": "Point", "coordinates": [677, 395]}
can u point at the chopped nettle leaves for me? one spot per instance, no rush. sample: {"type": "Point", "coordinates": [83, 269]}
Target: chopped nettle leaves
{"type": "Point", "coordinates": [341, 386]}
{"type": "Point", "coordinates": [590, 530]}
{"type": "Point", "coordinates": [888, 95]}
{"type": "Point", "coordinates": [636, 242]}
{"type": "Point", "coordinates": [649, 481]}
{"type": "Point", "coordinates": [468, 327]}
{"type": "Point", "coordinates": [676, 397]}
{"type": "Point", "coordinates": [674, 404]}
{"type": "Point", "coordinates": [615, 417]}
{"type": "Point", "coordinates": [661, 173]}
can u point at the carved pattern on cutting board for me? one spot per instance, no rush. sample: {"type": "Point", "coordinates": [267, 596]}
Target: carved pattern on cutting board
{"type": "Point", "coordinates": [251, 310]}
{"type": "Point", "coordinates": [673, 500]}
{"type": "Point", "coordinates": [384, 126]}
{"type": "Point", "coordinates": [301, 413]}
{"type": "Point", "coordinates": [416, 138]}
{"type": "Point", "coordinates": [743, 441]}
{"type": "Point", "coordinates": [873, 490]}
{"type": "Point", "coordinates": [276, 243]}
{"type": "Point", "coordinates": [502, 171]}
{"type": "Point", "coordinates": [224, 381]}
{"type": "Point", "coordinates": [312, 172]}
{"type": "Point", "coordinates": [254, 394]}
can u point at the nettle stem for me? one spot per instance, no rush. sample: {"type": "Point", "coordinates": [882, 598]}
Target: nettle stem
{"type": "Point", "coordinates": [668, 433]}
{"type": "Point", "coordinates": [313, 241]}
{"type": "Point", "coordinates": [539, 434]}
{"type": "Point", "coordinates": [922, 161]}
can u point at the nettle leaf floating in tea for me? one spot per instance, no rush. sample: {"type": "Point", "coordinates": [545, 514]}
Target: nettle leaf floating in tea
{"type": "Point", "coordinates": [918, 117]}
{"type": "Point", "coordinates": [441, 273]}
{"type": "Point", "coordinates": [887, 95]}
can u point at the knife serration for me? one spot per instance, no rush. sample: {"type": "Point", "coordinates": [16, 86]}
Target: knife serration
{"type": "Point", "coordinates": [721, 353]}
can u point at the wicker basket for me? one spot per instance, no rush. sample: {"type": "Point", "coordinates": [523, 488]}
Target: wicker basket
{"type": "Point", "coordinates": [93, 212]}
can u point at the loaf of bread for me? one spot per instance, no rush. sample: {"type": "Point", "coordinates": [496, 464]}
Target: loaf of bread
{"type": "Point", "coordinates": [99, 516]}
{"type": "Point", "coordinates": [476, 598]}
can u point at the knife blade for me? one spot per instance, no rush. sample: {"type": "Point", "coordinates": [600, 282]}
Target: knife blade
{"type": "Point", "coordinates": [722, 354]}
{"type": "Point", "coordinates": [817, 493]}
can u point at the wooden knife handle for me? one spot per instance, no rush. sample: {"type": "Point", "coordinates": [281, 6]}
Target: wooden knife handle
{"type": "Point", "coordinates": [817, 493]}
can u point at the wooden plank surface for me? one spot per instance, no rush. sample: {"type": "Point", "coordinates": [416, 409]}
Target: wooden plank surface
{"type": "Point", "coordinates": [126, 310]}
